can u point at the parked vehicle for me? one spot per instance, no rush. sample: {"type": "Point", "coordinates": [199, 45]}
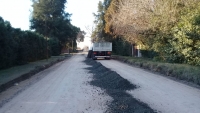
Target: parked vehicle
{"type": "Point", "coordinates": [101, 50]}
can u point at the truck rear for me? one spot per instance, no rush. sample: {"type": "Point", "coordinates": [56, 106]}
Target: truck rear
{"type": "Point", "coordinates": [101, 50]}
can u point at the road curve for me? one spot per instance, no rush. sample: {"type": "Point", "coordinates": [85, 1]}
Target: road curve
{"type": "Point", "coordinates": [63, 89]}
{"type": "Point", "coordinates": [159, 92]}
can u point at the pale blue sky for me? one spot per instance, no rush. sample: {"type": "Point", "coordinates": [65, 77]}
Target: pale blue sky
{"type": "Point", "coordinates": [17, 12]}
{"type": "Point", "coordinates": [82, 12]}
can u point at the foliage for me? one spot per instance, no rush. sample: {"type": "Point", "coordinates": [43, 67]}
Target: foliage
{"type": "Point", "coordinates": [54, 46]}
{"type": "Point", "coordinates": [187, 35]}
{"type": "Point", "coordinates": [99, 33]}
{"type": "Point", "coordinates": [7, 45]}
{"type": "Point", "coordinates": [148, 53]}
{"type": "Point", "coordinates": [121, 47]}
{"type": "Point", "coordinates": [50, 20]}
{"type": "Point", "coordinates": [80, 37]}
{"type": "Point", "coordinates": [19, 47]}
{"type": "Point", "coordinates": [168, 28]}
{"type": "Point", "coordinates": [52, 30]}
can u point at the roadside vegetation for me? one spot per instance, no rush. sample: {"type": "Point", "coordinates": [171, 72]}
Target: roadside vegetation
{"type": "Point", "coordinates": [50, 31]}
{"type": "Point", "coordinates": [18, 47]}
{"type": "Point", "coordinates": [24, 53]}
{"type": "Point", "coordinates": [167, 29]}
{"type": "Point", "coordinates": [163, 31]}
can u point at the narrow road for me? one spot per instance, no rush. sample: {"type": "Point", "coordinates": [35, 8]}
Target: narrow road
{"type": "Point", "coordinates": [63, 89]}
{"type": "Point", "coordinates": [160, 93]}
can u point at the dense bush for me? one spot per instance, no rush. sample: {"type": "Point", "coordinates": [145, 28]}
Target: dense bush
{"type": "Point", "coordinates": [54, 46]}
{"type": "Point", "coordinates": [121, 47]}
{"type": "Point", "coordinates": [148, 53]}
{"type": "Point", "coordinates": [19, 47]}
{"type": "Point", "coordinates": [7, 45]}
{"type": "Point", "coordinates": [187, 35]}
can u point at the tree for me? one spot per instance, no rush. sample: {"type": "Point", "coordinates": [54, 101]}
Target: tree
{"type": "Point", "coordinates": [167, 28]}
{"type": "Point", "coordinates": [80, 37]}
{"type": "Point", "coordinates": [19, 47]}
{"type": "Point", "coordinates": [187, 35]}
{"type": "Point", "coordinates": [99, 33]}
{"type": "Point", "coordinates": [7, 45]}
{"type": "Point", "coordinates": [45, 14]}
{"type": "Point", "coordinates": [50, 20]}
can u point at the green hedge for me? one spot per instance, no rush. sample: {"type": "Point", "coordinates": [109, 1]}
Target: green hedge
{"type": "Point", "coordinates": [121, 47]}
{"type": "Point", "coordinates": [19, 47]}
{"type": "Point", "coordinates": [55, 47]}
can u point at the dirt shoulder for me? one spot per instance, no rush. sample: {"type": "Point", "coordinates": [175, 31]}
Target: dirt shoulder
{"type": "Point", "coordinates": [14, 75]}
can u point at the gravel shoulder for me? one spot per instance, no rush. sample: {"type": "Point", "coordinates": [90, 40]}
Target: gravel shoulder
{"type": "Point", "coordinates": [160, 93]}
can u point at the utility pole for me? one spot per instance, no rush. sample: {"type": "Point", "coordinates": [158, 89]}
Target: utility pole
{"type": "Point", "coordinates": [46, 17]}
{"type": "Point", "coordinates": [46, 38]}
{"type": "Point", "coordinates": [72, 46]}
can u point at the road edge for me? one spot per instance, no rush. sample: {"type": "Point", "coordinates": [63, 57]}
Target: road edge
{"type": "Point", "coordinates": [5, 86]}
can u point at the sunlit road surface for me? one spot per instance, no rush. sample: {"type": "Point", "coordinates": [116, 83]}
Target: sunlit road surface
{"type": "Point", "coordinates": [160, 93]}
{"type": "Point", "coordinates": [64, 89]}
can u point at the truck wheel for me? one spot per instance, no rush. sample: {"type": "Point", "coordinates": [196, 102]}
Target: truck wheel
{"type": "Point", "coordinates": [93, 57]}
{"type": "Point", "coordinates": [107, 58]}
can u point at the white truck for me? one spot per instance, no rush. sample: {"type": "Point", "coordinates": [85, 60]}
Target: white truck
{"type": "Point", "coordinates": [101, 50]}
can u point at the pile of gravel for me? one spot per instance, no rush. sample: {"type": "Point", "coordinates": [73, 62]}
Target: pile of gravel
{"type": "Point", "coordinates": [116, 86]}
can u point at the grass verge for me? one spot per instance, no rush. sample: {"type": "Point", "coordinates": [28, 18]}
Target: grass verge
{"type": "Point", "coordinates": [9, 77]}
{"type": "Point", "coordinates": [179, 71]}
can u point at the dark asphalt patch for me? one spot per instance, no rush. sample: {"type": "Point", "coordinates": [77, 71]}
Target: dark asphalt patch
{"type": "Point", "coordinates": [116, 87]}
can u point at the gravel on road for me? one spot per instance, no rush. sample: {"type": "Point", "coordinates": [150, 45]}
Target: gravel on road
{"type": "Point", "coordinates": [116, 86]}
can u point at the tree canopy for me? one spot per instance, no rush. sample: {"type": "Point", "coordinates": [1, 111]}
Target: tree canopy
{"type": "Point", "coordinates": [50, 20]}
{"type": "Point", "coordinates": [169, 28]}
{"type": "Point", "coordinates": [51, 30]}
{"type": "Point", "coordinates": [99, 33]}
